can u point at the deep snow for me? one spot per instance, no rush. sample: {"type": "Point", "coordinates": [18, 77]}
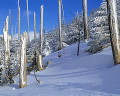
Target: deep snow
{"type": "Point", "coordinates": [71, 75]}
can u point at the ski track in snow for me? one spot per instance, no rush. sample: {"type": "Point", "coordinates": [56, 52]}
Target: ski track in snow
{"type": "Point", "coordinates": [71, 75]}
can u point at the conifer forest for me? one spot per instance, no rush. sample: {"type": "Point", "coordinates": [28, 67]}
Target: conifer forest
{"type": "Point", "coordinates": [78, 57]}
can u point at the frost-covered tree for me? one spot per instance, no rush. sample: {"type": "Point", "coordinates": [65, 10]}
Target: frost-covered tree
{"type": "Point", "coordinates": [46, 49]}
{"type": "Point", "coordinates": [99, 29]}
{"type": "Point", "coordinates": [74, 27]}
{"type": "Point", "coordinates": [78, 23]}
{"type": "Point", "coordinates": [99, 22]}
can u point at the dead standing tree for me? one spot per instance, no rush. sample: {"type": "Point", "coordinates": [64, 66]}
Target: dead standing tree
{"type": "Point", "coordinates": [0, 76]}
{"type": "Point", "coordinates": [10, 25]}
{"type": "Point", "coordinates": [23, 74]}
{"type": "Point", "coordinates": [19, 34]}
{"type": "Point", "coordinates": [40, 59]}
{"type": "Point", "coordinates": [85, 20]}
{"type": "Point", "coordinates": [28, 24]}
{"type": "Point", "coordinates": [35, 26]}
{"type": "Point", "coordinates": [6, 41]}
{"type": "Point", "coordinates": [0, 72]}
{"type": "Point", "coordinates": [114, 30]}
{"type": "Point", "coordinates": [40, 63]}
{"type": "Point", "coordinates": [41, 30]}
{"type": "Point", "coordinates": [6, 49]}
{"type": "Point", "coordinates": [60, 30]}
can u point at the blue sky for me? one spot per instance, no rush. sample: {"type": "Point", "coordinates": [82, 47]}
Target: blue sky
{"type": "Point", "coordinates": [50, 12]}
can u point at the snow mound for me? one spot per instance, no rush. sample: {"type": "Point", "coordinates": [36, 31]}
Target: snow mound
{"type": "Point", "coordinates": [72, 75]}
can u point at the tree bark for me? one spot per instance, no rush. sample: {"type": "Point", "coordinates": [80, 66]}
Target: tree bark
{"type": "Point", "coordinates": [40, 60]}
{"type": "Point", "coordinates": [44, 31]}
{"type": "Point", "coordinates": [34, 26]}
{"type": "Point", "coordinates": [40, 63]}
{"type": "Point", "coordinates": [41, 30]}
{"type": "Point", "coordinates": [6, 42]}
{"type": "Point", "coordinates": [10, 25]}
{"type": "Point", "coordinates": [19, 34]}
{"type": "Point", "coordinates": [85, 20]}
{"type": "Point", "coordinates": [6, 48]}
{"type": "Point", "coordinates": [23, 74]}
{"type": "Point", "coordinates": [28, 24]}
{"type": "Point", "coordinates": [60, 30]}
{"type": "Point", "coordinates": [0, 76]}
{"type": "Point", "coordinates": [114, 30]}
{"type": "Point", "coordinates": [78, 45]}
{"type": "Point", "coordinates": [63, 13]}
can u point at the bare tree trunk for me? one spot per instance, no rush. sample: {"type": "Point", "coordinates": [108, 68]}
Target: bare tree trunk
{"type": "Point", "coordinates": [34, 26]}
{"type": "Point", "coordinates": [44, 31]}
{"type": "Point", "coordinates": [40, 63]}
{"type": "Point", "coordinates": [85, 20]}
{"type": "Point", "coordinates": [15, 29]}
{"type": "Point", "coordinates": [41, 37]}
{"type": "Point", "coordinates": [114, 30]}
{"type": "Point", "coordinates": [41, 30]}
{"type": "Point", "coordinates": [6, 42]}
{"type": "Point", "coordinates": [10, 25]}
{"type": "Point", "coordinates": [19, 34]}
{"type": "Point", "coordinates": [12, 32]}
{"type": "Point", "coordinates": [60, 30]}
{"type": "Point", "coordinates": [0, 72]}
{"type": "Point", "coordinates": [78, 44]}
{"type": "Point", "coordinates": [28, 24]}
{"type": "Point", "coordinates": [63, 13]}
{"type": "Point", "coordinates": [23, 74]}
{"type": "Point", "coordinates": [6, 48]}
{"type": "Point", "coordinates": [0, 76]}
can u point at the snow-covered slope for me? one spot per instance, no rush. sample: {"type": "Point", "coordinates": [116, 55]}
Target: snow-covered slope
{"type": "Point", "coordinates": [71, 75]}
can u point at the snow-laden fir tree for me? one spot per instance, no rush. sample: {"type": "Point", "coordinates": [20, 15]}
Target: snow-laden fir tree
{"type": "Point", "coordinates": [46, 49]}
{"type": "Point", "coordinates": [73, 28]}
{"type": "Point", "coordinates": [99, 29]}
{"type": "Point", "coordinates": [99, 22]}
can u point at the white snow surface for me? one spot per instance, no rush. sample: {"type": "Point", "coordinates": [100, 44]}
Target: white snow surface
{"type": "Point", "coordinates": [71, 75]}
